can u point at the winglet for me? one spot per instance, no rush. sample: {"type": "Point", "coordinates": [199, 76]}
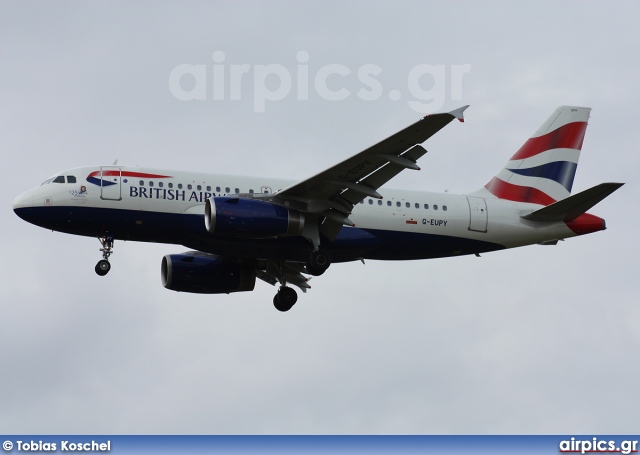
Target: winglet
{"type": "Point", "coordinates": [457, 113]}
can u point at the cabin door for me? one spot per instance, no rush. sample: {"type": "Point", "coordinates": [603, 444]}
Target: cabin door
{"type": "Point", "coordinates": [111, 183]}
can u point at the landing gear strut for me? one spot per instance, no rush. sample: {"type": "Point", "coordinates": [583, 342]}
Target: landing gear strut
{"type": "Point", "coordinates": [285, 298]}
{"type": "Point", "coordinates": [103, 266]}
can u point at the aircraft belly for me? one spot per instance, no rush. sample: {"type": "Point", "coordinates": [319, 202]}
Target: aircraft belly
{"type": "Point", "coordinates": [132, 225]}
{"type": "Point", "coordinates": [427, 238]}
{"type": "Point", "coordinates": [396, 245]}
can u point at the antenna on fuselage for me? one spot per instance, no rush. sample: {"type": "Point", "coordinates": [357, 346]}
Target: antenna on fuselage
{"type": "Point", "coordinates": [115, 162]}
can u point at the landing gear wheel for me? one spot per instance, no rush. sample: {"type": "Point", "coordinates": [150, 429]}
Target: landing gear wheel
{"type": "Point", "coordinates": [102, 267]}
{"type": "Point", "coordinates": [318, 263]}
{"type": "Point", "coordinates": [285, 299]}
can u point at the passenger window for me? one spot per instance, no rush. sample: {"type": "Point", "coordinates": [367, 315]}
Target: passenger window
{"type": "Point", "coordinates": [150, 183]}
{"type": "Point", "coordinates": [199, 187]}
{"type": "Point", "coordinates": [370, 201]}
{"type": "Point", "coordinates": [435, 207]}
{"type": "Point", "coordinates": [398, 204]}
{"type": "Point", "coordinates": [250, 191]}
{"type": "Point", "coordinates": [71, 179]}
{"type": "Point", "coordinates": [361, 202]}
{"type": "Point", "coordinates": [417, 205]}
{"type": "Point", "coordinates": [389, 203]}
{"type": "Point", "coordinates": [160, 184]}
{"type": "Point", "coordinates": [170, 185]}
{"type": "Point", "coordinates": [444, 207]}
{"type": "Point", "coordinates": [379, 202]}
{"type": "Point", "coordinates": [227, 190]}
{"type": "Point", "coordinates": [141, 182]}
{"type": "Point", "coordinates": [408, 205]}
{"type": "Point", "coordinates": [208, 188]}
{"type": "Point", "coordinates": [426, 206]}
{"type": "Point", "coordinates": [59, 179]}
{"type": "Point", "coordinates": [237, 191]}
{"type": "Point", "coordinates": [217, 189]}
{"type": "Point", "coordinates": [189, 186]}
{"type": "Point", "coordinates": [179, 186]}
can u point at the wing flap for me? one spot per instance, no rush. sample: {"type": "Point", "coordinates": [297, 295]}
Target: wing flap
{"type": "Point", "coordinates": [291, 272]}
{"type": "Point", "coordinates": [384, 174]}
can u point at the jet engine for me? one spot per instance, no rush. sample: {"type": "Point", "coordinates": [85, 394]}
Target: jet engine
{"type": "Point", "coordinates": [205, 274]}
{"type": "Point", "coordinates": [251, 218]}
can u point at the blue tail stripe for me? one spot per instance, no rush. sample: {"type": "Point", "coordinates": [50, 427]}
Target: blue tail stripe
{"type": "Point", "coordinates": [562, 172]}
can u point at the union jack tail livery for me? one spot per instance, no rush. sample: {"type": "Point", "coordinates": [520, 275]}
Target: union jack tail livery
{"type": "Point", "coordinates": [542, 170]}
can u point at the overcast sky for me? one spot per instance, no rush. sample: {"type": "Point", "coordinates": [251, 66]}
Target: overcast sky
{"type": "Point", "coordinates": [533, 340]}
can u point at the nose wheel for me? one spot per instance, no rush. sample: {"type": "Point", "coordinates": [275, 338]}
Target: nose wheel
{"type": "Point", "coordinates": [103, 266]}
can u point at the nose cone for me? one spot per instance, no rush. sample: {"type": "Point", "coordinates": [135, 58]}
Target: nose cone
{"type": "Point", "coordinates": [22, 201]}
{"type": "Point", "coordinates": [24, 205]}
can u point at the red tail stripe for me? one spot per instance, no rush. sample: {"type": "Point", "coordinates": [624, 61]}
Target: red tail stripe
{"type": "Point", "coordinates": [517, 193]}
{"type": "Point", "coordinates": [569, 136]}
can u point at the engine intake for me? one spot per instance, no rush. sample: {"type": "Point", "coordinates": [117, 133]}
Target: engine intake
{"type": "Point", "coordinates": [205, 274]}
{"type": "Point", "coordinates": [251, 218]}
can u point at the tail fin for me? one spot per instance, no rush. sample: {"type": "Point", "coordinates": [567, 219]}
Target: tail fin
{"type": "Point", "coordinates": [542, 170]}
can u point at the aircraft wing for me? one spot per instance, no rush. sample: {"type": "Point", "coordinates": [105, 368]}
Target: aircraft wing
{"type": "Point", "coordinates": [333, 193]}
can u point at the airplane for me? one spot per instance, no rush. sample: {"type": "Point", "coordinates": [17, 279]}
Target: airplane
{"type": "Point", "coordinates": [242, 228]}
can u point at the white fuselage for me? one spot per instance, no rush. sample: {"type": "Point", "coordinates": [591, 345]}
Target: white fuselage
{"type": "Point", "coordinates": [85, 207]}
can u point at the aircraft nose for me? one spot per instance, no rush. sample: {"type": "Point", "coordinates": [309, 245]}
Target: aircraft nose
{"type": "Point", "coordinates": [23, 201]}
{"type": "Point", "coordinates": [23, 205]}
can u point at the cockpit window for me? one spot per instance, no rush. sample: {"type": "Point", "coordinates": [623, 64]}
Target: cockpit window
{"type": "Point", "coordinates": [60, 179]}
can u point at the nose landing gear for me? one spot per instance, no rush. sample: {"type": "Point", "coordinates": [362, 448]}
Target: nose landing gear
{"type": "Point", "coordinates": [103, 266]}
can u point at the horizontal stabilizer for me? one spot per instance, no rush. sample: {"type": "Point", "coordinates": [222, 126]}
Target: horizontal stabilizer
{"type": "Point", "coordinates": [572, 207]}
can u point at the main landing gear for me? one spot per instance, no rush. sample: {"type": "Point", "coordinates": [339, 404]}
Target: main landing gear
{"type": "Point", "coordinates": [103, 266]}
{"type": "Point", "coordinates": [318, 263]}
{"type": "Point", "coordinates": [285, 298]}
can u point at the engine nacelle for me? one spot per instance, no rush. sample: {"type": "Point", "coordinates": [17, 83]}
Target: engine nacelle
{"type": "Point", "coordinates": [251, 218]}
{"type": "Point", "coordinates": [205, 274]}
